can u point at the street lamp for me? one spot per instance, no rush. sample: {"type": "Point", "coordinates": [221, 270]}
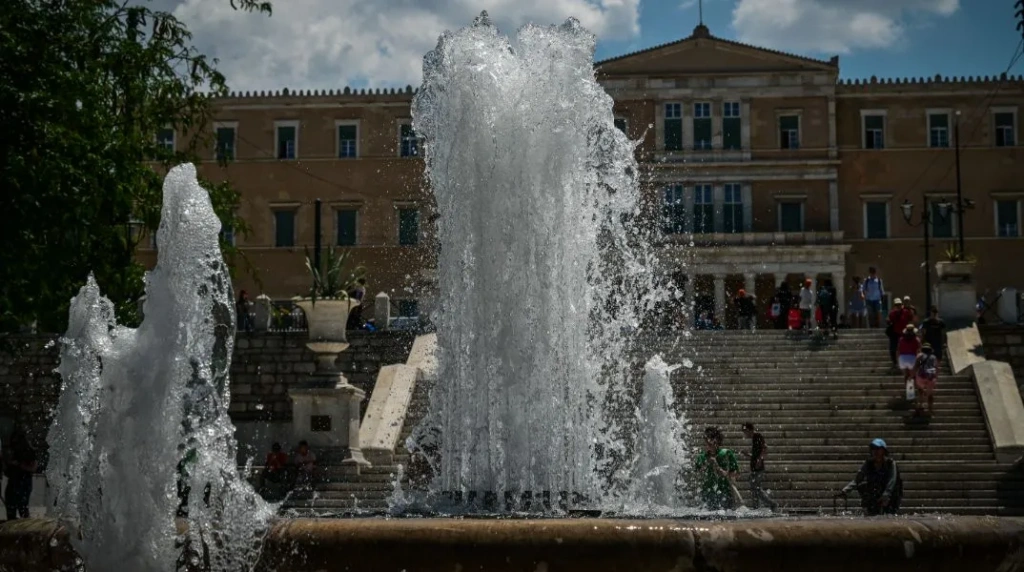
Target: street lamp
{"type": "Point", "coordinates": [925, 223]}
{"type": "Point", "coordinates": [132, 233]}
{"type": "Point", "coordinates": [961, 205]}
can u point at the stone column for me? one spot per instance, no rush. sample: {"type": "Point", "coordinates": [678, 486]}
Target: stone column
{"type": "Point", "coordinates": [833, 206]}
{"type": "Point", "coordinates": [750, 282]}
{"type": "Point", "coordinates": [839, 281]}
{"type": "Point", "coordinates": [382, 311]}
{"type": "Point", "coordinates": [814, 288]}
{"type": "Point", "coordinates": [720, 298]}
{"type": "Point", "coordinates": [688, 301]}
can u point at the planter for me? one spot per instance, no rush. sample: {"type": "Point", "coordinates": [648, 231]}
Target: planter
{"type": "Point", "coordinates": [959, 271]}
{"type": "Point", "coordinates": [327, 318]}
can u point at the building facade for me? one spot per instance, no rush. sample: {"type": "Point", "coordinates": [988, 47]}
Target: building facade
{"type": "Point", "coordinates": [768, 163]}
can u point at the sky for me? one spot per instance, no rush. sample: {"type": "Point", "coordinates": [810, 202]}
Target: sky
{"type": "Point", "coordinates": [328, 44]}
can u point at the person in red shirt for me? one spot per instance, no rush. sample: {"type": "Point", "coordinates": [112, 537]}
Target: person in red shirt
{"type": "Point", "coordinates": [898, 320]}
{"type": "Point", "coordinates": [275, 469]}
{"type": "Point", "coordinates": [908, 347]}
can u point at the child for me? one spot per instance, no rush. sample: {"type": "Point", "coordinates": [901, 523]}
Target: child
{"type": "Point", "coordinates": [926, 368]}
{"type": "Point", "coordinates": [907, 348]}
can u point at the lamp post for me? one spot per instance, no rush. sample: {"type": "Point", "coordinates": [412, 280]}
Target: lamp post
{"type": "Point", "coordinates": [925, 223]}
{"type": "Point", "coordinates": [132, 230]}
{"type": "Point", "coordinates": [959, 190]}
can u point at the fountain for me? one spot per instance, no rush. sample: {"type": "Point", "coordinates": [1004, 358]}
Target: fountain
{"type": "Point", "coordinates": [142, 408]}
{"type": "Point", "coordinates": [544, 277]}
{"type": "Point", "coordinates": [542, 267]}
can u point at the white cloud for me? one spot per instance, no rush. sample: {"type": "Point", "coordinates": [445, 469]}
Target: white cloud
{"type": "Point", "coordinates": [332, 43]}
{"type": "Point", "coordinates": [831, 26]}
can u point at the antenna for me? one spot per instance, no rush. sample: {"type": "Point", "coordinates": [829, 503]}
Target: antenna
{"type": "Point", "coordinates": [700, 11]}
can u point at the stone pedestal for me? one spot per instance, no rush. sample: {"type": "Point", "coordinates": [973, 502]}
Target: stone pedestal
{"type": "Point", "coordinates": [263, 310]}
{"type": "Point", "coordinates": [382, 311]}
{"type": "Point", "coordinates": [957, 295]}
{"type": "Point", "coordinates": [325, 410]}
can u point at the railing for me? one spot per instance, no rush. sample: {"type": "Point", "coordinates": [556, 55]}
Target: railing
{"type": "Point", "coordinates": [756, 238]}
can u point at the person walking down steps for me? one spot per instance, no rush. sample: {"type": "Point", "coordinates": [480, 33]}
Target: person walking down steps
{"type": "Point", "coordinates": [758, 450]}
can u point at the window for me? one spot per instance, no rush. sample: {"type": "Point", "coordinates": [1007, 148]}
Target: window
{"type": "Point", "coordinates": [703, 209]}
{"type": "Point", "coordinates": [876, 219]}
{"type": "Point", "coordinates": [731, 125]}
{"type": "Point", "coordinates": [938, 129]}
{"type": "Point", "coordinates": [1005, 132]}
{"type": "Point", "coordinates": [410, 144]}
{"type": "Point", "coordinates": [348, 140]}
{"type": "Point", "coordinates": [284, 228]}
{"type": "Point", "coordinates": [789, 132]}
{"type": "Point", "coordinates": [345, 223]}
{"type": "Point", "coordinates": [621, 124]}
{"type": "Point", "coordinates": [732, 209]}
{"type": "Point", "coordinates": [287, 137]}
{"type": "Point", "coordinates": [673, 127]}
{"type": "Point", "coordinates": [225, 150]}
{"type": "Point", "coordinates": [408, 226]}
{"type": "Point", "coordinates": [874, 131]}
{"type": "Point", "coordinates": [408, 308]}
{"type": "Point", "coordinates": [227, 234]}
{"type": "Point", "coordinates": [165, 138]}
{"type": "Point", "coordinates": [941, 227]}
{"type": "Point", "coordinates": [702, 125]}
{"type": "Point", "coordinates": [674, 211]}
{"type": "Point", "coordinates": [1007, 218]}
{"type": "Point", "coordinates": [791, 216]}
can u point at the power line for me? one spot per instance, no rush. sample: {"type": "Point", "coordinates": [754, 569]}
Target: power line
{"type": "Point", "coordinates": [981, 113]}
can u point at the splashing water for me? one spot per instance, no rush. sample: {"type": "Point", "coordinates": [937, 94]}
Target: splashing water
{"type": "Point", "coordinates": [659, 454]}
{"type": "Point", "coordinates": [137, 402]}
{"type": "Point", "coordinates": [543, 264]}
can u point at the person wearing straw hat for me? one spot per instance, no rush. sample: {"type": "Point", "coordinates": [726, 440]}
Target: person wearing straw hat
{"type": "Point", "coordinates": [878, 482]}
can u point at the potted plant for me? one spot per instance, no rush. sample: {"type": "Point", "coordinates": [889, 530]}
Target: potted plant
{"type": "Point", "coordinates": [328, 305]}
{"type": "Point", "coordinates": [957, 266]}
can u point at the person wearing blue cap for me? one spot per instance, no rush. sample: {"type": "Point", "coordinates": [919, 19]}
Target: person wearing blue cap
{"type": "Point", "coordinates": [878, 482]}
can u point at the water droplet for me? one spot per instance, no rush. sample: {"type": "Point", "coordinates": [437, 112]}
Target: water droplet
{"type": "Point", "coordinates": [687, 363]}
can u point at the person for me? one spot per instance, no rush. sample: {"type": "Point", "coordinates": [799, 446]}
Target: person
{"type": "Point", "coordinates": [897, 322]}
{"type": "Point", "coordinates": [305, 463]}
{"type": "Point", "coordinates": [910, 307]}
{"type": "Point", "coordinates": [245, 322]}
{"type": "Point", "coordinates": [355, 315]}
{"type": "Point", "coordinates": [758, 449]}
{"type": "Point", "coordinates": [704, 322]}
{"type": "Point", "coordinates": [873, 291]}
{"type": "Point", "coordinates": [806, 298]}
{"type": "Point", "coordinates": [926, 373]}
{"type": "Point", "coordinates": [908, 347]}
{"type": "Point", "coordinates": [843, 324]}
{"type": "Point", "coordinates": [746, 310]}
{"type": "Point", "coordinates": [718, 467]}
{"type": "Point", "coordinates": [828, 302]}
{"type": "Point", "coordinates": [858, 309]}
{"type": "Point", "coordinates": [933, 332]}
{"type": "Point", "coordinates": [784, 298]}
{"type": "Point", "coordinates": [20, 465]}
{"type": "Point", "coordinates": [878, 482]}
{"type": "Point", "coordinates": [275, 470]}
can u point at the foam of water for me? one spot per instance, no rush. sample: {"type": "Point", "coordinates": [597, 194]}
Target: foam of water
{"type": "Point", "coordinates": [135, 400]}
{"type": "Point", "coordinates": [543, 267]}
{"type": "Point", "coordinates": [659, 455]}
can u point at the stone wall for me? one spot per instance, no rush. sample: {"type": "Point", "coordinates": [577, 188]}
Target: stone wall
{"type": "Point", "coordinates": [1005, 343]}
{"type": "Point", "coordinates": [263, 368]}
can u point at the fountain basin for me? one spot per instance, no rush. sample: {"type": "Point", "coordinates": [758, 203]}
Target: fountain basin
{"type": "Point", "coordinates": [430, 544]}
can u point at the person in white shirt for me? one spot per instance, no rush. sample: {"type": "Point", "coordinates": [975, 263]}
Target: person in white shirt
{"type": "Point", "coordinates": [806, 303]}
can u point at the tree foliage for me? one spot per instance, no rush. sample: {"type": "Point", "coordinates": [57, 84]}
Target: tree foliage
{"type": "Point", "coordinates": [85, 87]}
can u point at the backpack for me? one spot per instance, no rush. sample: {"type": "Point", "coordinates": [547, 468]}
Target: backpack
{"type": "Point", "coordinates": [825, 298]}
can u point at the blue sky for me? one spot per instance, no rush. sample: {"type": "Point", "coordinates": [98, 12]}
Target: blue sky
{"type": "Point", "coordinates": [317, 44]}
{"type": "Point", "coordinates": [970, 41]}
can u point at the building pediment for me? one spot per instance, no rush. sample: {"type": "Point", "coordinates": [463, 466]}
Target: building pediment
{"type": "Point", "coordinates": [702, 53]}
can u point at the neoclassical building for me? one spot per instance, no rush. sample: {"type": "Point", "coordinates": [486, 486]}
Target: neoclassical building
{"type": "Point", "coordinates": [773, 167]}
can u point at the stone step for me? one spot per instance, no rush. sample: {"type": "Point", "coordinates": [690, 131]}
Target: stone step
{"type": "Point", "coordinates": [801, 401]}
{"type": "Point", "coordinates": [829, 439]}
{"type": "Point", "coordinates": [813, 394]}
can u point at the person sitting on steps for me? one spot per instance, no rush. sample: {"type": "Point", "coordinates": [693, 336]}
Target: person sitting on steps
{"type": "Point", "coordinates": [878, 482]}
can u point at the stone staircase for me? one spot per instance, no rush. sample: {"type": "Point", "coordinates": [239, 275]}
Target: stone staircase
{"type": "Point", "coordinates": [817, 402]}
{"type": "Point", "coordinates": [820, 402]}
{"type": "Point", "coordinates": [340, 492]}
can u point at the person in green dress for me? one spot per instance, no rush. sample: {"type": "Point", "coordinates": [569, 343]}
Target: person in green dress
{"type": "Point", "coordinates": [716, 468]}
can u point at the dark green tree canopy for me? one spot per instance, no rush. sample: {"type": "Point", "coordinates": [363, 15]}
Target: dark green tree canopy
{"type": "Point", "coordinates": [85, 87]}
